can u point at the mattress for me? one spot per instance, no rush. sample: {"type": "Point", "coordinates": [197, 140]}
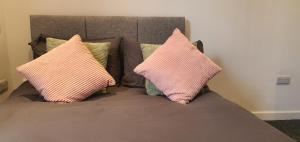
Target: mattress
{"type": "Point", "coordinates": [128, 115]}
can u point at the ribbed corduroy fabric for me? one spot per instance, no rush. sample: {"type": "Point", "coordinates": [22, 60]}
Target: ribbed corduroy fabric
{"type": "Point", "coordinates": [178, 68]}
{"type": "Point", "coordinates": [68, 73]}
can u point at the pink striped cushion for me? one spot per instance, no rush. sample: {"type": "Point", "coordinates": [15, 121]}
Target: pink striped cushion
{"type": "Point", "coordinates": [178, 69]}
{"type": "Point", "coordinates": [68, 73]}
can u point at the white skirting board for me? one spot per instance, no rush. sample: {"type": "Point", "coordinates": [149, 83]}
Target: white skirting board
{"type": "Point", "coordinates": [277, 115]}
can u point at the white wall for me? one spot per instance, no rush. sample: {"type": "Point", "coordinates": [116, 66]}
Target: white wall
{"type": "Point", "coordinates": [4, 64]}
{"type": "Point", "coordinates": [2, 47]}
{"type": "Point", "coordinates": [253, 40]}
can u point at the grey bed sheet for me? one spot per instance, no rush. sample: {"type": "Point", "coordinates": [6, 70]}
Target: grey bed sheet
{"type": "Point", "coordinates": [128, 115]}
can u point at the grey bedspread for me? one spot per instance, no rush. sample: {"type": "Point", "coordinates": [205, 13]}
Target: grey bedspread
{"type": "Point", "coordinates": [128, 115]}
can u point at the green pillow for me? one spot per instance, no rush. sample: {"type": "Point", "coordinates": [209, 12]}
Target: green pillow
{"type": "Point", "coordinates": [99, 50]}
{"type": "Point", "coordinates": [147, 50]}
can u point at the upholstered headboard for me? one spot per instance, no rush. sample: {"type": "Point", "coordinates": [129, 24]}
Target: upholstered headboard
{"type": "Point", "coordinates": [142, 29]}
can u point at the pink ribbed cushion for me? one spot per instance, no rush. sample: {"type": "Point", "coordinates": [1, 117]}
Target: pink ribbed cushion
{"type": "Point", "coordinates": [178, 69]}
{"type": "Point", "coordinates": [67, 73]}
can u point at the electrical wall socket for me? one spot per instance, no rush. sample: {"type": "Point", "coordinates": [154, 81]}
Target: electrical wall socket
{"type": "Point", "coordinates": [283, 80]}
{"type": "Point", "coordinates": [3, 86]}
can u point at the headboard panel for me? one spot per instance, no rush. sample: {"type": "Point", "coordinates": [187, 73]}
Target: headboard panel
{"type": "Point", "coordinates": [104, 27]}
{"type": "Point", "coordinates": [63, 27]}
{"type": "Point", "coordinates": [158, 29]}
{"type": "Point", "coordinates": [142, 29]}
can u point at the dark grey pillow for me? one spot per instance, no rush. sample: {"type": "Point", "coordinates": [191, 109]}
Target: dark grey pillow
{"type": "Point", "coordinates": [114, 59]}
{"type": "Point", "coordinates": [38, 46]}
{"type": "Point", "coordinates": [199, 45]}
{"type": "Point", "coordinates": [132, 56]}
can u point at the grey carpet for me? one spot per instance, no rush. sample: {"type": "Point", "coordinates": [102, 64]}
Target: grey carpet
{"type": "Point", "coordinates": [289, 127]}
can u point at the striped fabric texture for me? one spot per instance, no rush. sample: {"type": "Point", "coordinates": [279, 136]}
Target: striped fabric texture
{"type": "Point", "coordinates": [147, 50]}
{"type": "Point", "coordinates": [68, 73]}
{"type": "Point", "coordinates": [178, 69]}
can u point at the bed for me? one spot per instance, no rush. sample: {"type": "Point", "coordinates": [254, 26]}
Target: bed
{"type": "Point", "coordinates": [126, 114]}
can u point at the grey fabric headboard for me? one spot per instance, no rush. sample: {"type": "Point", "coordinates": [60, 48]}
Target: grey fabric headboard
{"type": "Point", "coordinates": [142, 29]}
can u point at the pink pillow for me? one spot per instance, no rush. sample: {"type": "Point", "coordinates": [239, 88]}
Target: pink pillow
{"type": "Point", "coordinates": [68, 73]}
{"type": "Point", "coordinates": [178, 69]}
